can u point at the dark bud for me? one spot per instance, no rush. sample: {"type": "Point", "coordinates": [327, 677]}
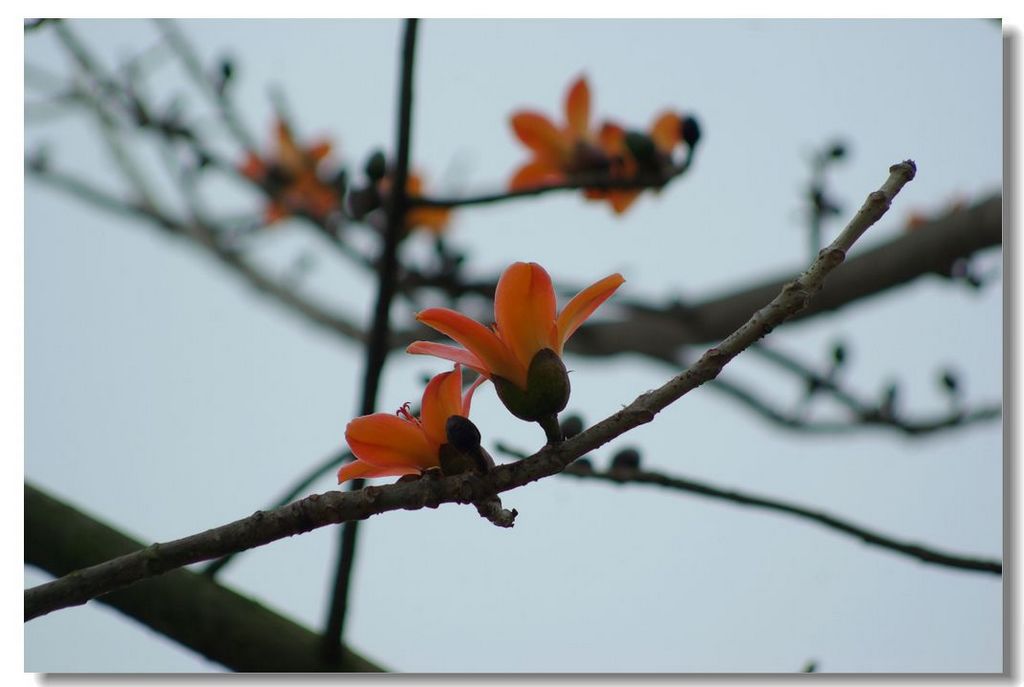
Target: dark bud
{"type": "Point", "coordinates": [227, 69]}
{"type": "Point", "coordinates": [38, 160]}
{"type": "Point", "coordinates": [626, 459]}
{"type": "Point", "coordinates": [689, 130]}
{"type": "Point", "coordinates": [583, 465]}
{"type": "Point", "coordinates": [571, 425]}
{"type": "Point", "coordinates": [376, 166]}
{"type": "Point", "coordinates": [462, 433]}
{"type": "Point", "coordinates": [950, 382]}
{"type": "Point", "coordinates": [810, 667]}
{"type": "Point", "coordinates": [837, 151]}
{"type": "Point", "coordinates": [839, 354]}
{"type": "Point", "coordinates": [641, 146]}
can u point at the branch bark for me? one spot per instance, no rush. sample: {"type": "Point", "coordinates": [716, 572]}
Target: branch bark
{"type": "Point", "coordinates": [191, 609]}
{"type": "Point", "coordinates": [319, 510]}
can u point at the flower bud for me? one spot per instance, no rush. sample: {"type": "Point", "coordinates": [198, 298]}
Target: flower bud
{"type": "Point", "coordinates": [376, 166]}
{"type": "Point", "coordinates": [571, 426]}
{"type": "Point", "coordinates": [626, 459]}
{"type": "Point", "coordinates": [547, 388]}
{"type": "Point", "coordinates": [463, 452]}
{"type": "Point", "coordinates": [689, 130]}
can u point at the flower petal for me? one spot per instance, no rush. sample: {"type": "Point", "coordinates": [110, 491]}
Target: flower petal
{"type": "Point", "coordinates": [665, 132]}
{"type": "Point", "coordinates": [467, 398]}
{"type": "Point", "coordinates": [583, 305]}
{"type": "Point", "coordinates": [362, 470]}
{"type": "Point", "coordinates": [541, 136]}
{"type": "Point", "coordinates": [441, 399]}
{"type": "Point", "coordinates": [480, 340]}
{"type": "Point", "coordinates": [388, 441]}
{"type": "Point", "coordinates": [524, 307]}
{"type": "Point", "coordinates": [577, 108]}
{"type": "Point", "coordinates": [318, 151]}
{"type": "Point", "coordinates": [446, 352]}
{"type": "Point", "coordinates": [288, 153]}
{"type": "Point", "coordinates": [534, 174]}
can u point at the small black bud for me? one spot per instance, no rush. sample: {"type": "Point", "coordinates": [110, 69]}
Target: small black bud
{"type": "Point", "coordinates": [227, 69]}
{"type": "Point", "coordinates": [626, 459]}
{"type": "Point", "coordinates": [583, 465]}
{"type": "Point", "coordinates": [571, 426]}
{"type": "Point", "coordinates": [839, 353]}
{"type": "Point", "coordinates": [837, 151]}
{"type": "Point", "coordinates": [689, 130]}
{"type": "Point", "coordinates": [950, 382]}
{"type": "Point", "coordinates": [376, 166]}
{"type": "Point", "coordinates": [462, 434]}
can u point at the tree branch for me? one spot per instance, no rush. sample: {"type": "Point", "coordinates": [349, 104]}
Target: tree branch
{"type": "Point", "coordinates": [214, 621]}
{"type": "Point", "coordinates": [319, 510]}
{"type": "Point", "coordinates": [922, 553]}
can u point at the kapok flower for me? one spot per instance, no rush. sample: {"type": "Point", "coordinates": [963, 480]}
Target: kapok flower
{"type": "Point", "coordinates": [559, 152]}
{"type": "Point", "coordinates": [387, 445]}
{"type": "Point", "coordinates": [522, 352]}
{"type": "Point", "coordinates": [290, 177]}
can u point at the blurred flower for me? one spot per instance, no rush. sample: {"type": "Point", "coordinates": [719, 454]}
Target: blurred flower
{"type": "Point", "coordinates": [522, 352]}
{"type": "Point", "coordinates": [559, 153]}
{"type": "Point", "coordinates": [387, 445]}
{"type": "Point", "coordinates": [290, 179]}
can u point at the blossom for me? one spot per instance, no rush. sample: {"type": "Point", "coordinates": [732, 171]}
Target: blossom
{"type": "Point", "coordinates": [559, 152]}
{"type": "Point", "coordinates": [386, 444]}
{"type": "Point", "coordinates": [522, 352]}
{"type": "Point", "coordinates": [290, 177]}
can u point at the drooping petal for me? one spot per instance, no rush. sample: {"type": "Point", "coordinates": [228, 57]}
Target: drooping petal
{"type": "Point", "coordinates": [534, 174]}
{"type": "Point", "coordinates": [665, 132]}
{"type": "Point", "coordinates": [577, 108]}
{"type": "Point", "coordinates": [363, 470]}
{"type": "Point", "coordinates": [480, 340]}
{"type": "Point", "coordinates": [446, 352]}
{"type": "Point", "coordinates": [388, 441]}
{"type": "Point", "coordinates": [583, 305]}
{"type": "Point", "coordinates": [524, 307]}
{"type": "Point", "coordinates": [540, 135]}
{"type": "Point", "coordinates": [441, 399]}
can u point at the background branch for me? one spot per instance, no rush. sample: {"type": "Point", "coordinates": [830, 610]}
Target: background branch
{"type": "Point", "coordinates": [216, 622]}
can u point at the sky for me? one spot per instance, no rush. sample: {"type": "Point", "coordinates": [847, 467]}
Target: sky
{"type": "Point", "coordinates": [165, 396]}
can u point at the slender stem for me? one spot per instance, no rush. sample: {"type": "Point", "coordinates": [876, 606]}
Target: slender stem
{"type": "Point", "coordinates": [377, 345]}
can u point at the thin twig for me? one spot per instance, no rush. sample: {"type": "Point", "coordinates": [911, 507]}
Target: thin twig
{"type": "Point", "coordinates": [320, 510]}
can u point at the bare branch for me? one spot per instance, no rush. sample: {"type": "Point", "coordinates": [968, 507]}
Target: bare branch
{"type": "Point", "coordinates": [319, 510]}
{"type": "Point", "coordinates": [922, 553]}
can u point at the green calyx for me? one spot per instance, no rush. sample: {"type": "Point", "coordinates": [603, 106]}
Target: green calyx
{"type": "Point", "coordinates": [547, 388]}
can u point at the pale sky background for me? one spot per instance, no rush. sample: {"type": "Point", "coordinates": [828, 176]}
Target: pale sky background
{"type": "Point", "coordinates": [165, 396]}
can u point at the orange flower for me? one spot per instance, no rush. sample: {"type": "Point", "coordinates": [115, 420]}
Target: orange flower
{"type": "Point", "coordinates": [290, 177]}
{"type": "Point", "coordinates": [524, 308]}
{"type": "Point", "coordinates": [559, 153]}
{"type": "Point", "coordinates": [387, 445]}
